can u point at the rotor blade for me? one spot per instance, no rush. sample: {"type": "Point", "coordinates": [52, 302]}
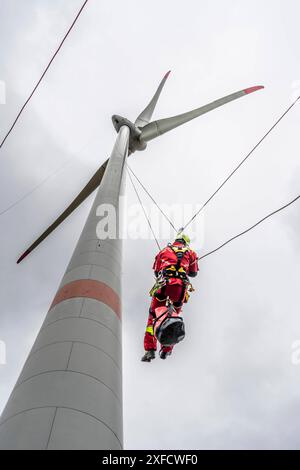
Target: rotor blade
{"type": "Point", "coordinates": [87, 190]}
{"type": "Point", "coordinates": [157, 128]}
{"type": "Point", "coordinates": [145, 117]}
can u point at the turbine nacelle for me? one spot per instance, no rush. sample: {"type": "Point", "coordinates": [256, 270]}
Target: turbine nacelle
{"type": "Point", "coordinates": [135, 143]}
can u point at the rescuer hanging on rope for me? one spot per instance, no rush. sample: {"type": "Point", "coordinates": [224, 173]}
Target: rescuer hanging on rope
{"type": "Point", "coordinates": [172, 267]}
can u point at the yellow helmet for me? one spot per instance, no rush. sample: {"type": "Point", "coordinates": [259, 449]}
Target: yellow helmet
{"type": "Point", "coordinates": [183, 237]}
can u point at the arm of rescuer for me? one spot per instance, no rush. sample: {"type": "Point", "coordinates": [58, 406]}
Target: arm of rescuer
{"type": "Point", "coordinates": [193, 267]}
{"type": "Point", "coordinates": [157, 263]}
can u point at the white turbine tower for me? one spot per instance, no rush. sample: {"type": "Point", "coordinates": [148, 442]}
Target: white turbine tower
{"type": "Point", "coordinates": [69, 393]}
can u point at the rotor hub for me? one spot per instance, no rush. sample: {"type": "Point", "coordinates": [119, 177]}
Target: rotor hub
{"type": "Point", "coordinates": [135, 143]}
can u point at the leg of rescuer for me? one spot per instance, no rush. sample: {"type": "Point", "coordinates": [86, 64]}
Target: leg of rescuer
{"type": "Point", "coordinates": [150, 342]}
{"type": "Point", "coordinates": [174, 292]}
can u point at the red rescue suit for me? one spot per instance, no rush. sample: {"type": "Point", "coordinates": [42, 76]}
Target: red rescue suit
{"type": "Point", "coordinates": [167, 261]}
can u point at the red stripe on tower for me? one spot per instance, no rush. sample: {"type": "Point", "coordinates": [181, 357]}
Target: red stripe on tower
{"type": "Point", "coordinates": [91, 289]}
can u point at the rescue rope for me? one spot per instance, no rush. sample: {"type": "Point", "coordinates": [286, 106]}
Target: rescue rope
{"type": "Point", "coordinates": [142, 206]}
{"type": "Point", "coordinates": [43, 74]}
{"type": "Point", "coordinates": [241, 163]}
{"type": "Point", "coordinates": [156, 204]}
{"type": "Point", "coordinates": [230, 239]}
{"type": "Point", "coordinates": [250, 228]}
{"type": "Point", "coordinates": [223, 183]}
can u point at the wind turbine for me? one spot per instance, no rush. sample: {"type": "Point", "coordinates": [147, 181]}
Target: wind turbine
{"type": "Point", "coordinates": [141, 132]}
{"type": "Point", "coordinates": [69, 393]}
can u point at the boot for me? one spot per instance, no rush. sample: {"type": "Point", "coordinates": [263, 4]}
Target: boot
{"type": "Point", "coordinates": [148, 356]}
{"type": "Point", "coordinates": [163, 353]}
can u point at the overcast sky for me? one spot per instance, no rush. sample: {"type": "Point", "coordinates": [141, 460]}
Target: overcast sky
{"type": "Point", "coordinates": [231, 382]}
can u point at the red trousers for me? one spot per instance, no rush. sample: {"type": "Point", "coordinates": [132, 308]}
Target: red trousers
{"type": "Point", "coordinates": [176, 294]}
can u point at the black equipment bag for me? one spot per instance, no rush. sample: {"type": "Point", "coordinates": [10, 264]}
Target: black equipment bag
{"type": "Point", "coordinates": [170, 331]}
